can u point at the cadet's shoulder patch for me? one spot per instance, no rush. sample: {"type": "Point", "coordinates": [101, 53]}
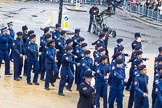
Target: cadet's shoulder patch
{"type": "Point", "coordinates": [135, 83]}
{"type": "Point", "coordinates": [47, 52]}
{"type": "Point", "coordinates": [67, 58]}
{"type": "Point", "coordinates": [84, 88]}
{"type": "Point", "coordinates": [98, 71]}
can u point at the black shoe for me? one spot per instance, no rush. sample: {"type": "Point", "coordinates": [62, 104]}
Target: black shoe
{"type": "Point", "coordinates": [93, 43]}
{"type": "Point", "coordinates": [12, 60]}
{"type": "Point", "coordinates": [42, 79]}
{"type": "Point", "coordinates": [20, 77]}
{"type": "Point", "coordinates": [8, 74]}
{"type": "Point", "coordinates": [24, 74]}
{"type": "Point", "coordinates": [47, 89]}
{"type": "Point", "coordinates": [52, 84]}
{"type": "Point", "coordinates": [16, 79]}
{"type": "Point", "coordinates": [36, 83]}
{"type": "Point", "coordinates": [29, 83]}
{"type": "Point", "coordinates": [69, 89]}
{"type": "Point", "coordinates": [61, 94]}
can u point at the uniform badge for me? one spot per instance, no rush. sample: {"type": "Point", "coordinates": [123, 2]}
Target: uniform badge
{"type": "Point", "coordinates": [85, 88]}
{"type": "Point", "coordinates": [67, 58]}
{"type": "Point", "coordinates": [135, 83]}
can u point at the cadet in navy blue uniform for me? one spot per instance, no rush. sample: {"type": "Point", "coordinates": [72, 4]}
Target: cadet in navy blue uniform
{"type": "Point", "coordinates": [86, 64]}
{"type": "Point", "coordinates": [76, 37]}
{"type": "Point", "coordinates": [56, 34]}
{"type": "Point", "coordinates": [96, 53]}
{"type": "Point", "coordinates": [61, 42]}
{"type": "Point", "coordinates": [78, 47]}
{"type": "Point", "coordinates": [118, 55]}
{"type": "Point", "coordinates": [141, 89]}
{"type": "Point", "coordinates": [117, 85]}
{"type": "Point", "coordinates": [66, 71]}
{"type": "Point", "coordinates": [51, 64]}
{"type": "Point", "coordinates": [102, 39]}
{"type": "Point", "coordinates": [32, 60]}
{"type": "Point", "coordinates": [119, 43]}
{"type": "Point", "coordinates": [46, 31]}
{"type": "Point", "coordinates": [42, 50]}
{"type": "Point", "coordinates": [86, 92]}
{"type": "Point", "coordinates": [102, 81]}
{"type": "Point", "coordinates": [4, 38]}
{"type": "Point", "coordinates": [18, 53]}
{"type": "Point", "coordinates": [12, 34]}
{"type": "Point", "coordinates": [137, 41]}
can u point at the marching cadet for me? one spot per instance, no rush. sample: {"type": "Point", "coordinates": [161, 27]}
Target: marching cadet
{"type": "Point", "coordinates": [118, 55]}
{"type": "Point", "coordinates": [86, 64]}
{"type": "Point", "coordinates": [141, 89]}
{"type": "Point", "coordinates": [66, 71]}
{"type": "Point", "coordinates": [158, 88]}
{"type": "Point", "coordinates": [51, 64]}
{"type": "Point", "coordinates": [42, 50]}
{"type": "Point", "coordinates": [46, 31]}
{"type": "Point", "coordinates": [117, 85]}
{"type": "Point", "coordinates": [78, 47]}
{"type": "Point", "coordinates": [32, 60]}
{"type": "Point", "coordinates": [12, 34]}
{"type": "Point", "coordinates": [18, 53]}
{"type": "Point", "coordinates": [137, 41]}
{"type": "Point", "coordinates": [102, 81]}
{"type": "Point", "coordinates": [4, 38]}
{"type": "Point", "coordinates": [138, 63]}
{"type": "Point", "coordinates": [56, 34]}
{"type": "Point", "coordinates": [119, 43]}
{"type": "Point", "coordinates": [61, 42]}
{"type": "Point", "coordinates": [86, 92]}
{"type": "Point", "coordinates": [76, 37]}
{"type": "Point", "coordinates": [102, 39]}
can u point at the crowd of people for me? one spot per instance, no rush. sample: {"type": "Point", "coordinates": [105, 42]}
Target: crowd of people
{"type": "Point", "coordinates": [92, 75]}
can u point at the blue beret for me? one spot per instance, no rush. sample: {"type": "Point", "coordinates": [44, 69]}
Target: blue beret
{"type": "Point", "coordinates": [83, 45]}
{"type": "Point", "coordinates": [69, 41]}
{"type": "Point", "coordinates": [58, 25]}
{"type": "Point", "coordinates": [19, 33]}
{"type": "Point", "coordinates": [4, 29]}
{"type": "Point", "coordinates": [98, 45]}
{"type": "Point", "coordinates": [77, 30]}
{"type": "Point", "coordinates": [30, 32]}
{"type": "Point", "coordinates": [48, 35]}
{"type": "Point", "coordinates": [46, 29]}
{"type": "Point", "coordinates": [160, 49]}
{"type": "Point", "coordinates": [80, 39]}
{"type": "Point", "coordinates": [119, 61]}
{"type": "Point", "coordinates": [10, 23]}
{"type": "Point", "coordinates": [138, 47]}
{"type": "Point", "coordinates": [24, 27]}
{"type": "Point", "coordinates": [87, 52]}
{"type": "Point", "coordinates": [101, 35]}
{"type": "Point", "coordinates": [32, 36]}
{"type": "Point", "coordinates": [159, 66]}
{"type": "Point", "coordinates": [104, 57]}
{"type": "Point", "coordinates": [68, 48]}
{"type": "Point", "coordinates": [88, 74]}
{"type": "Point", "coordinates": [138, 61]}
{"type": "Point", "coordinates": [105, 30]}
{"type": "Point", "coordinates": [119, 40]}
{"type": "Point", "coordinates": [50, 41]}
{"type": "Point", "coordinates": [159, 59]}
{"type": "Point", "coordinates": [117, 54]}
{"type": "Point", "coordinates": [137, 34]}
{"type": "Point", "coordinates": [142, 67]}
{"type": "Point", "coordinates": [63, 32]}
{"type": "Point", "coordinates": [120, 48]}
{"type": "Point", "coordinates": [101, 49]}
{"type": "Point", "coordinates": [138, 52]}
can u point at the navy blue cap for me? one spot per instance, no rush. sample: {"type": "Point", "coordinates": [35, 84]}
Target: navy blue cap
{"type": "Point", "coordinates": [88, 74]}
{"type": "Point", "coordinates": [69, 41]}
{"type": "Point", "coordinates": [30, 32]}
{"type": "Point", "coordinates": [80, 39]}
{"type": "Point", "coordinates": [19, 33]}
{"type": "Point", "coordinates": [63, 32]}
{"type": "Point", "coordinates": [142, 67]}
{"type": "Point", "coordinates": [160, 49]}
{"type": "Point", "coordinates": [119, 40]}
{"type": "Point", "coordinates": [105, 30]}
{"type": "Point", "coordinates": [77, 30]}
{"type": "Point", "coordinates": [120, 48]}
{"type": "Point", "coordinates": [87, 52]}
{"type": "Point", "coordinates": [119, 61]}
{"type": "Point", "coordinates": [50, 41]}
{"type": "Point", "coordinates": [117, 54]}
{"type": "Point", "coordinates": [46, 29]}
{"type": "Point", "coordinates": [68, 48]}
{"type": "Point", "coordinates": [24, 27]}
{"type": "Point", "coordinates": [58, 25]}
{"type": "Point", "coordinates": [101, 35]}
{"type": "Point", "coordinates": [138, 47]}
{"type": "Point", "coordinates": [48, 35]}
{"type": "Point", "coordinates": [137, 34]}
{"type": "Point", "coordinates": [101, 49]}
{"type": "Point", "coordinates": [10, 23]}
{"type": "Point", "coordinates": [32, 36]}
{"type": "Point", "coordinates": [4, 29]}
{"type": "Point", "coordinates": [159, 59]}
{"type": "Point", "coordinates": [138, 52]}
{"type": "Point", "coordinates": [159, 66]}
{"type": "Point", "coordinates": [138, 61]}
{"type": "Point", "coordinates": [104, 57]}
{"type": "Point", "coordinates": [83, 45]}
{"type": "Point", "coordinates": [98, 45]}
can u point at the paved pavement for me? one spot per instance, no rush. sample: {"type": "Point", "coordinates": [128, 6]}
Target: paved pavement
{"type": "Point", "coordinates": [36, 15]}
